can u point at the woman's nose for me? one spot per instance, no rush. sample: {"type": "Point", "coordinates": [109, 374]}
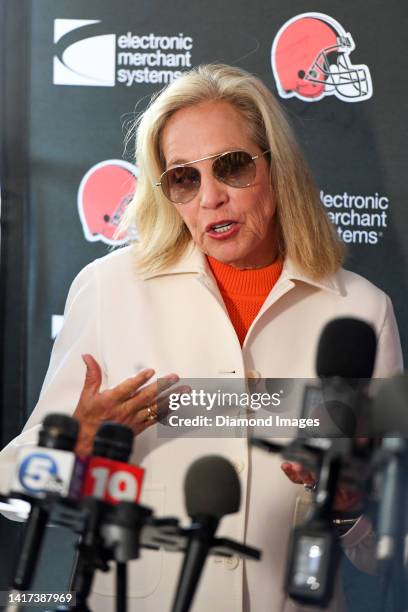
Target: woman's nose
{"type": "Point", "coordinates": [213, 193]}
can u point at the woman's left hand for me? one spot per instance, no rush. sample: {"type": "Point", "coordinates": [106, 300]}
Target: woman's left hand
{"type": "Point", "coordinates": [347, 500]}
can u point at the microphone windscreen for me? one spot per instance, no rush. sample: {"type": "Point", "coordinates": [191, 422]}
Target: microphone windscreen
{"type": "Point", "coordinates": [346, 349]}
{"type": "Point", "coordinates": [59, 431]}
{"type": "Point", "coordinates": [389, 415]}
{"type": "Point", "coordinates": [113, 441]}
{"type": "Point", "coordinates": [212, 488]}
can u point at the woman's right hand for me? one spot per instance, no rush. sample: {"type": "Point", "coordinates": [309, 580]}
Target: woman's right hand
{"type": "Point", "coordinates": [127, 403]}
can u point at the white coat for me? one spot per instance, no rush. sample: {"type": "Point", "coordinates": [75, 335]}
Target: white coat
{"type": "Point", "coordinates": [175, 321]}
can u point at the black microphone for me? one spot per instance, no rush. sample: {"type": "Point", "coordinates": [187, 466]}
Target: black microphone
{"type": "Point", "coordinates": [212, 490]}
{"type": "Point", "coordinates": [111, 491]}
{"type": "Point", "coordinates": [113, 441]}
{"type": "Point", "coordinates": [50, 469]}
{"type": "Point", "coordinates": [344, 362]}
{"type": "Point", "coordinates": [111, 449]}
{"type": "Point", "coordinates": [109, 474]}
{"type": "Point", "coordinates": [346, 349]}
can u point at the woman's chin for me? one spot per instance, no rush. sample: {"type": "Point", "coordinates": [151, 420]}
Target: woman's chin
{"type": "Point", "coordinates": [225, 255]}
{"type": "Point", "coordinates": [239, 258]}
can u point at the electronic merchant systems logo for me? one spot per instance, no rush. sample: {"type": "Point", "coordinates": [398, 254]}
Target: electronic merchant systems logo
{"type": "Point", "coordinates": [83, 55]}
{"type": "Point", "coordinates": [311, 60]}
{"type": "Point", "coordinates": [87, 53]}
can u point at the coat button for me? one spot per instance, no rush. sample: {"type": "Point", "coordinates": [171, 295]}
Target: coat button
{"type": "Point", "coordinates": [239, 465]}
{"type": "Point", "coordinates": [253, 374]}
{"type": "Point", "coordinates": [231, 563]}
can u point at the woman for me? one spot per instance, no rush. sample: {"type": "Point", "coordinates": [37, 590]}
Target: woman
{"type": "Point", "coordinates": [235, 273]}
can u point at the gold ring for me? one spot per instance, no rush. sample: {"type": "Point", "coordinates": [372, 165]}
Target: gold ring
{"type": "Point", "coordinates": [150, 415]}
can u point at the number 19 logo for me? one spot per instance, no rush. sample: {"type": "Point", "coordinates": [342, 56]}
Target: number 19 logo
{"type": "Point", "coordinates": [113, 482]}
{"type": "Point", "coordinates": [120, 485]}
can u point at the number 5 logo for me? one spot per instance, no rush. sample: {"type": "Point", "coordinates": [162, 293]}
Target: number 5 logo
{"type": "Point", "coordinates": [36, 472]}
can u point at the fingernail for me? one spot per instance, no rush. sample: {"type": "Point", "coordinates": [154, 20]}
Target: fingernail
{"type": "Point", "coordinates": [172, 377]}
{"type": "Point", "coordinates": [184, 389]}
{"type": "Point", "coordinates": [147, 372]}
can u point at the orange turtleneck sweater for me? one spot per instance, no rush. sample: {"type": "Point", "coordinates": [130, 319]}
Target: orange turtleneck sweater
{"type": "Point", "coordinates": [244, 291]}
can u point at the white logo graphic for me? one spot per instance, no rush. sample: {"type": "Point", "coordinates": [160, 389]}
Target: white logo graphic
{"type": "Point", "coordinates": [359, 219]}
{"type": "Point", "coordinates": [87, 55]}
{"type": "Point", "coordinates": [311, 60]}
{"type": "Point", "coordinates": [83, 57]}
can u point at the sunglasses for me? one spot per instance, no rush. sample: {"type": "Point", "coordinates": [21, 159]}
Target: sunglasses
{"type": "Point", "coordinates": [234, 168]}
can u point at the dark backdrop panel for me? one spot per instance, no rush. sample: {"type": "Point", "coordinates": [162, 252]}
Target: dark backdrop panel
{"type": "Point", "coordinates": [14, 173]}
{"type": "Point", "coordinates": [14, 108]}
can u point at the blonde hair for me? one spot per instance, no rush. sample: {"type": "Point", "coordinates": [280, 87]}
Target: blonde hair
{"type": "Point", "coordinates": [304, 232]}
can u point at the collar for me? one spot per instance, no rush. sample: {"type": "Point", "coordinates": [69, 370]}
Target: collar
{"type": "Point", "coordinates": [193, 261]}
{"type": "Point", "coordinates": [293, 273]}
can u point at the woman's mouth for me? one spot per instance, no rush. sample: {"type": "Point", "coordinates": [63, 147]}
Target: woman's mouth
{"type": "Point", "coordinates": [222, 230]}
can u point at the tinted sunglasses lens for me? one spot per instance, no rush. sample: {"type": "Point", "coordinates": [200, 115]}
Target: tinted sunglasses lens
{"type": "Point", "coordinates": [236, 169]}
{"type": "Point", "coordinates": [181, 184]}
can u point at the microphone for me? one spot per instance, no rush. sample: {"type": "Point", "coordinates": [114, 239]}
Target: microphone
{"type": "Point", "coordinates": [212, 490]}
{"type": "Point", "coordinates": [389, 418]}
{"type": "Point", "coordinates": [111, 485]}
{"type": "Point", "coordinates": [346, 349]}
{"type": "Point", "coordinates": [344, 362]}
{"type": "Point", "coordinates": [50, 469]}
{"type": "Point", "coordinates": [109, 476]}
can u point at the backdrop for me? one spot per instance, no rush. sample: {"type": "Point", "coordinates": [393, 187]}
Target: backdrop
{"type": "Point", "coordinates": [74, 74]}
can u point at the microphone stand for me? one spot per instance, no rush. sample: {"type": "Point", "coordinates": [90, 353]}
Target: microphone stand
{"type": "Point", "coordinates": [121, 586]}
{"type": "Point", "coordinates": [391, 521]}
{"type": "Point", "coordinates": [91, 555]}
{"type": "Point", "coordinates": [33, 537]}
{"type": "Point", "coordinates": [195, 535]}
{"type": "Point", "coordinates": [118, 533]}
{"type": "Point", "coordinates": [121, 532]}
{"type": "Point", "coordinates": [196, 553]}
